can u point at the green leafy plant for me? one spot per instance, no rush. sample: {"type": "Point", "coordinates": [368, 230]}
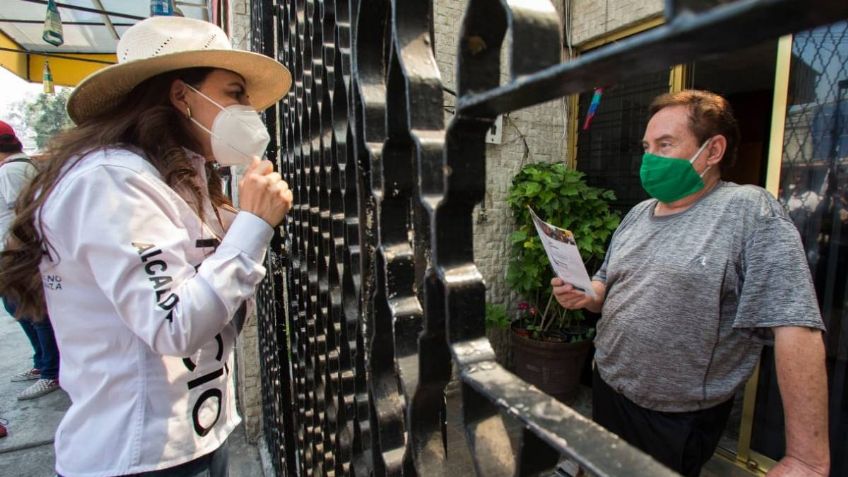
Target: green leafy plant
{"type": "Point", "coordinates": [562, 197]}
{"type": "Point", "coordinates": [496, 316]}
{"type": "Point", "coordinates": [45, 115]}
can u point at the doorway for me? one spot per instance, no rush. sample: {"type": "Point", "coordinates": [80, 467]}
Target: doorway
{"type": "Point", "coordinates": [746, 78]}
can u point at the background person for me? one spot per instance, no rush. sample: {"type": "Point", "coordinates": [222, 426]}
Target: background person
{"type": "Point", "coordinates": [128, 240]}
{"type": "Point", "coordinates": [694, 281]}
{"type": "Point", "coordinates": [16, 171]}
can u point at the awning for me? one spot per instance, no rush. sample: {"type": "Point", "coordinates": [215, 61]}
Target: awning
{"type": "Point", "coordinates": [91, 29]}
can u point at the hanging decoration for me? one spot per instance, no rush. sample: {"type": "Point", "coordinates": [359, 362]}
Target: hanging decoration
{"type": "Point", "coordinates": [593, 107]}
{"type": "Point", "coordinates": [47, 79]}
{"type": "Point", "coordinates": [53, 25]}
{"type": "Point", "coordinates": [161, 8]}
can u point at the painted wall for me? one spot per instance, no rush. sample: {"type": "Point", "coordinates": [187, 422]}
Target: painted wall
{"type": "Point", "coordinates": [543, 129]}
{"type": "Point", "coordinates": [594, 18]}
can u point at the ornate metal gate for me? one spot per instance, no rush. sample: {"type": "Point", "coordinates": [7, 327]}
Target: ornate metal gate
{"type": "Point", "coordinates": [373, 294]}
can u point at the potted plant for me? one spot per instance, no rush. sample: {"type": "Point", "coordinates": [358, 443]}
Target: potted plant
{"type": "Point", "coordinates": [549, 343]}
{"type": "Point", "coordinates": [498, 320]}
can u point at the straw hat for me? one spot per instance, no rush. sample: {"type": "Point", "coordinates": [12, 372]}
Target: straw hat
{"type": "Point", "coordinates": [166, 43]}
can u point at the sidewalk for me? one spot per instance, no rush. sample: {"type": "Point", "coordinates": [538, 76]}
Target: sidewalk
{"type": "Point", "coordinates": [28, 449]}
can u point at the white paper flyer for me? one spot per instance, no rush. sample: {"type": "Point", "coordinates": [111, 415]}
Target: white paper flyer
{"type": "Point", "coordinates": [563, 254]}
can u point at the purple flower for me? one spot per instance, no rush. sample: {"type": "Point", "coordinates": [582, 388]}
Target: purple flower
{"type": "Point", "coordinates": [523, 306]}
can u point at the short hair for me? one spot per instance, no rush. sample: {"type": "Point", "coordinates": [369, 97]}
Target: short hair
{"type": "Point", "coordinates": [709, 115]}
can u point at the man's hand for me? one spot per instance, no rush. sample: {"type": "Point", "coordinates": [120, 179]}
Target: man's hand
{"type": "Point", "coordinates": [264, 193]}
{"type": "Point", "coordinates": [572, 299]}
{"type": "Point", "coordinates": [791, 467]}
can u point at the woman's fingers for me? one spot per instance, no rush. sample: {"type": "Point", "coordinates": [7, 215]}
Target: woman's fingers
{"type": "Point", "coordinates": [264, 193]}
{"type": "Point", "coordinates": [254, 164]}
{"type": "Point", "coordinates": [273, 178]}
{"type": "Point", "coordinates": [264, 167]}
{"type": "Point", "coordinates": [248, 171]}
{"type": "Point", "coordinates": [282, 190]}
{"type": "Point", "coordinates": [257, 172]}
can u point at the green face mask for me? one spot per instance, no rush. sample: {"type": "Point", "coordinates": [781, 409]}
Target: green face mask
{"type": "Point", "coordinates": [669, 179]}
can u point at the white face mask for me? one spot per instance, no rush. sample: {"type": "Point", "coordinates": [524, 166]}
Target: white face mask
{"type": "Point", "coordinates": [238, 134]}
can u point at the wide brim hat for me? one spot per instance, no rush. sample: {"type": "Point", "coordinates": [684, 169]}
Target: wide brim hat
{"type": "Point", "coordinates": [161, 44]}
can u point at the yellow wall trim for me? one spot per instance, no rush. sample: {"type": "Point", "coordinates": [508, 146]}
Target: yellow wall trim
{"type": "Point", "coordinates": [12, 60]}
{"type": "Point", "coordinates": [67, 72]}
{"type": "Point", "coordinates": [679, 78]}
{"type": "Point", "coordinates": [68, 69]}
{"type": "Point", "coordinates": [621, 33]}
{"type": "Point", "coordinates": [778, 114]}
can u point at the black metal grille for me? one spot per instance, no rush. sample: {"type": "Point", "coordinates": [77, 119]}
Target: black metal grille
{"type": "Point", "coordinates": [382, 292]}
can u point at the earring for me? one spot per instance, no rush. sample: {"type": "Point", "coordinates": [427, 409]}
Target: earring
{"type": "Point", "coordinates": [188, 112]}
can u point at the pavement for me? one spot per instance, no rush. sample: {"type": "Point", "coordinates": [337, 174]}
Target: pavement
{"type": "Point", "coordinates": [28, 449]}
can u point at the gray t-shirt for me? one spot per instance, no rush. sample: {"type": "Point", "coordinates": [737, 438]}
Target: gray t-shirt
{"type": "Point", "coordinates": [691, 297]}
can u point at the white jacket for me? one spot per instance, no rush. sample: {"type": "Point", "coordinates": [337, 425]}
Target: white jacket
{"type": "Point", "coordinates": [141, 302]}
{"type": "Point", "coordinates": [14, 176]}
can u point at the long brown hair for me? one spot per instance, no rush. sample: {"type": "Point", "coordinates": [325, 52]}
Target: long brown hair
{"type": "Point", "coordinates": [146, 120]}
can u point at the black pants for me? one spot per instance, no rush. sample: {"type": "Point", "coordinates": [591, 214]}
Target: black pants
{"type": "Point", "coordinates": [682, 441]}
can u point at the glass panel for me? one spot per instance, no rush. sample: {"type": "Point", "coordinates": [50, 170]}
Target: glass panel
{"type": "Point", "coordinates": [609, 151]}
{"type": "Point", "coordinates": [814, 190]}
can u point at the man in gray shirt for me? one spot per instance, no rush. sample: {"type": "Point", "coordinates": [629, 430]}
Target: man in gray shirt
{"type": "Point", "coordinates": [694, 281]}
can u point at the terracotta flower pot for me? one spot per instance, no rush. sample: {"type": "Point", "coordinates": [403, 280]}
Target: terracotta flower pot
{"type": "Point", "coordinates": [554, 367]}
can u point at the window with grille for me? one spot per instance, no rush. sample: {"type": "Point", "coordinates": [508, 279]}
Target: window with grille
{"type": "Point", "coordinates": [609, 151]}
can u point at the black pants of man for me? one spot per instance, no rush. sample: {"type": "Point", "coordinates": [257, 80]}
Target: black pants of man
{"type": "Point", "coordinates": [682, 441]}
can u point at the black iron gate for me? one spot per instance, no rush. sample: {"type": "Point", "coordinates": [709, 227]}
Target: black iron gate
{"type": "Point", "coordinates": [373, 294]}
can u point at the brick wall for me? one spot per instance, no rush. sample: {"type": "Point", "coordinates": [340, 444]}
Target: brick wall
{"type": "Point", "coordinates": [247, 348]}
{"type": "Point", "coordinates": [543, 129]}
{"type": "Point", "coordinates": [239, 27]}
{"type": "Point", "coordinates": [593, 18]}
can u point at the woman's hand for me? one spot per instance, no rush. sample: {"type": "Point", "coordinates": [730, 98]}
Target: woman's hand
{"type": "Point", "coordinates": [264, 193]}
{"type": "Point", "coordinates": [572, 299]}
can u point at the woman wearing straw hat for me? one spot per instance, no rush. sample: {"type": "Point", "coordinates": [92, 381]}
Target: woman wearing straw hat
{"type": "Point", "coordinates": [129, 242]}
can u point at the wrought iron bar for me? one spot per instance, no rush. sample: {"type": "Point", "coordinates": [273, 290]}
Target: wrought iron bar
{"type": "Point", "coordinates": [274, 324]}
{"type": "Point", "coordinates": [685, 37]}
{"type": "Point", "coordinates": [383, 291]}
